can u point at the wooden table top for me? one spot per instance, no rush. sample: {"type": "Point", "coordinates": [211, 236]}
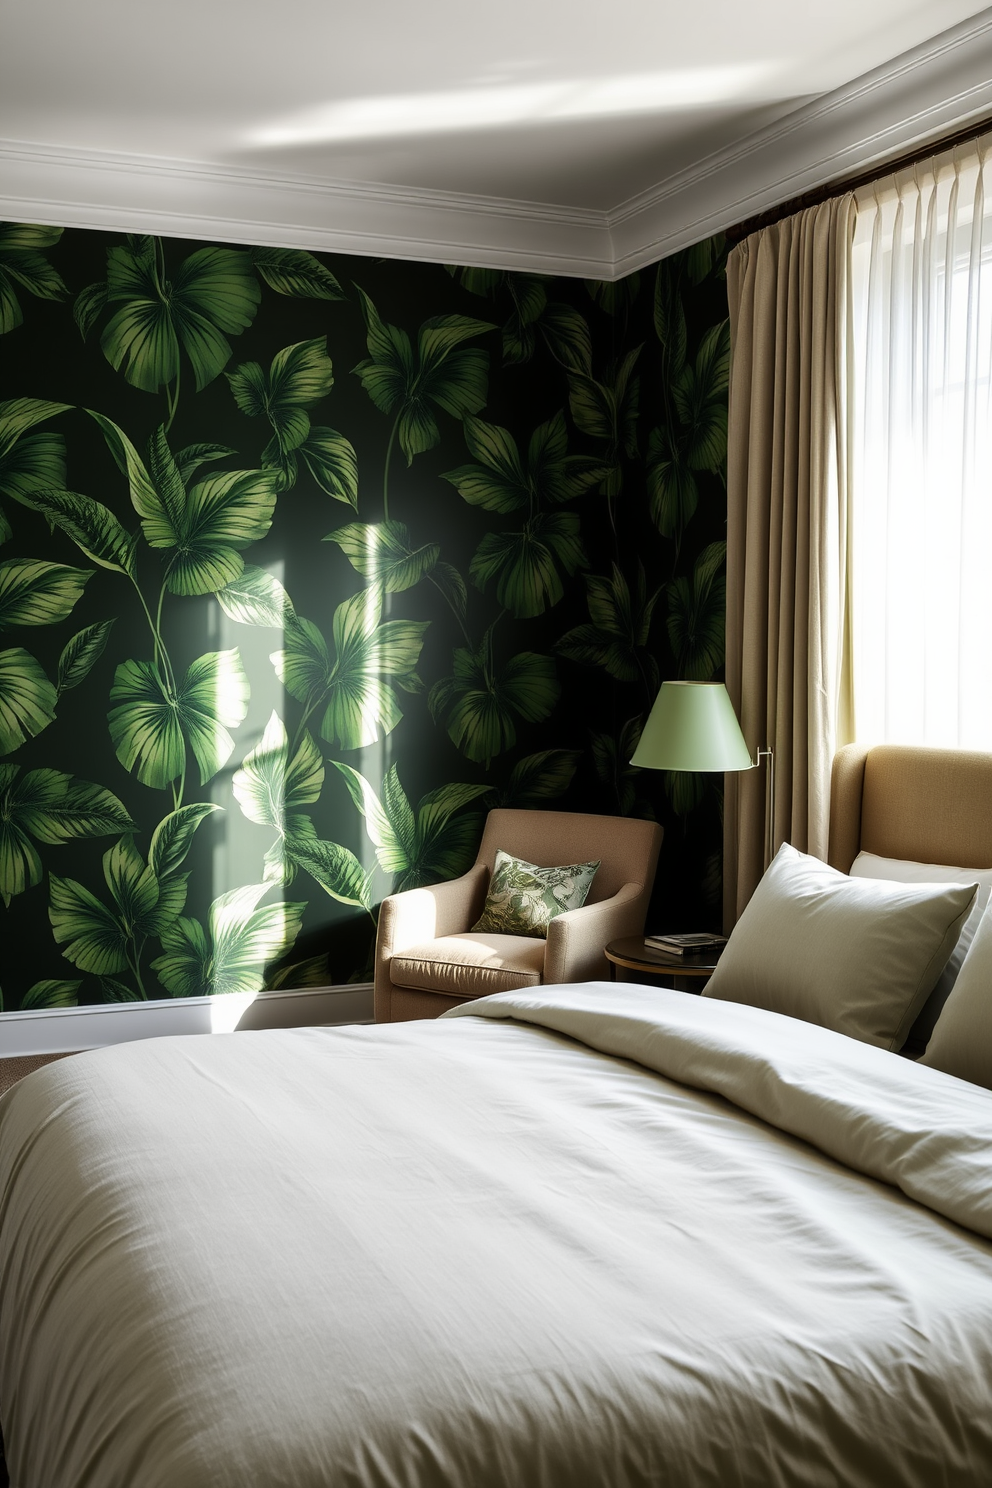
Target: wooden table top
{"type": "Point", "coordinates": [634, 954]}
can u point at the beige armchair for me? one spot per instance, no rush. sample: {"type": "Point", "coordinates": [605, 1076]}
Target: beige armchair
{"type": "Point", "coordinates": [428, 959]}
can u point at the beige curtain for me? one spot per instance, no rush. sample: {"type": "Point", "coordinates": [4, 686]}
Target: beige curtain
{"type": "Point", "coordinates": [788, 465]}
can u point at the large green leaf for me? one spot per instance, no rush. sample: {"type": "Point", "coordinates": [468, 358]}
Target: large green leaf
{"type": "Point", "coordinates": [205, 527]}
{"type": "Point", "coordinates": [82, 653]}
{"type": "Point", "coordinates": [332, 462]}
{"type": "Point", "coordinates": [27, 698]}
{"type": "Point", "coordinates": [211, 295]}
{"type": "Point", "coordinates": [538, 777]}
{"type": "Point", "coordinates": [611, 758]}
{"type": "Point", "coordinates": [133, 885]}
{"type": "Point", "coordinates": [293, 271]}
{"type": "Point", "coordinates": [673, 493]}
{"type": "Point", "coordinates": [28, 462]}
{"type": "Point", "coordinates": [481, 703]}
{"type": "Point", "coordinates": [50, 994]}
{"type": "Point", "coordinates": [381, 553]}
{"type": "Point", "coordinates": [615, 296]}
{"type": "Point", "coordinates": [91, 936]}
{"type": "Point", "coordinates": [22, 266]}
{"type": "Point", "coordinates": [173, 837]}
{"type": "Point", "coordinates": [269, 784]}
{"type": "Point", "coordinates": [299, 376]}
{"type": "Point", "coordinates": [400, 383]}
{"type": "Point", "coordinates": [335, 868]}
{"type": "Point", "coordinates": [189, 460]}
{"type": "Point", "coordinates": [314, 971]}
{"type": "Point", "coordinates": [697, 611]}
{"type": "Point", "coordinates": [617, 637]}
{"type": "Point", "coordinates": [55, 807]}
{"type": "Point", "coordinates": [526, 563]}
{"type": "Point", "coordinates": [33, 592]}
{"type": "Point", "coordinates": [422, 846]}
{"type": "Point", "coordinates": [607, 411]}
{"type": "Point", "coordinates": [231, 955]}
{"type": "Point", "coordinates": [502, 482]}
{"type": "Point", "coordinates": [152, 723]}
{"type": "Point", "coordinates": [256, 597]}
{"type": "Point", "coordinates": [358, 702]}
{"type": "Point", "coordinates": [669, 319]}
{"type": "Point", "coordinates": [92, 527]}
{"type": "Point", "coordinates": [700, 394]}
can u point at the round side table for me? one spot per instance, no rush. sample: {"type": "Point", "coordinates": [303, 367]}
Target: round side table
{"type": "Point", "coordinates": [684, 973]}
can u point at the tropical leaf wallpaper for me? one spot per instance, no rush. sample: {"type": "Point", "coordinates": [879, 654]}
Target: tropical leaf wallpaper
{"type": "Point", "coordinates": [306, 562]}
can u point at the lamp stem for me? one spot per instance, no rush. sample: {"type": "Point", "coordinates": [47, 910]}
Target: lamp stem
{"type": "Point", "coordinates": [769, 755]}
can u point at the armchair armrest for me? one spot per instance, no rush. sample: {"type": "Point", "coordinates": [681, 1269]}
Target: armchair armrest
{"type": "Point", "coordinates": [576, 939]}
{"type": "Point", "coordinates": [424, 914]}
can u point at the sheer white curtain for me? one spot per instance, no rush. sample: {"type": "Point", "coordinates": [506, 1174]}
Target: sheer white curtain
{"type": "Point", "coordinates": [922, 453]}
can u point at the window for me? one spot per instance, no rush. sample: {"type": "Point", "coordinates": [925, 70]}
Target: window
{"type": "Point", "coordinates": [922, 455]}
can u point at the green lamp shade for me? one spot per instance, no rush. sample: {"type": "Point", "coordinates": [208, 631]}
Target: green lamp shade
{"type": "Point", "coordinates": [692, 726]}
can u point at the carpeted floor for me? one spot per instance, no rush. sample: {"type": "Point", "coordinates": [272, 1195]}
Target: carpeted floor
{"type": "Point", "coordinates": [12, 1070]}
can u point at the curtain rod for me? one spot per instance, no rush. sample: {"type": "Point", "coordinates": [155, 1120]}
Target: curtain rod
{"type": "Point", "coordinates": [851, 183]}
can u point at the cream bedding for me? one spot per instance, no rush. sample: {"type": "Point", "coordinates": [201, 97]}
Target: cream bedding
{"type": "Point", "coordinates": [496, 1250]}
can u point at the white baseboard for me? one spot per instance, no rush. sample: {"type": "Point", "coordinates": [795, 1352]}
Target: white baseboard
{"type": "Point", "coordinates": [65, 1030]}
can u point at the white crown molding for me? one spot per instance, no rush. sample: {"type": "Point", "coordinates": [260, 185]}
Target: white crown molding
{"type": "Point", "coordinates": [75, 188]}
{"type": "Point", "coordinates": [940, 86]}
{"type": "Point", "coordinates": [68, 1030]}
{"type": "Point", "coordinates": [930, 91]}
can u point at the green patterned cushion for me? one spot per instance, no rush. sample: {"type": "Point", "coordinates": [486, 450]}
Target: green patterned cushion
{"type": "Point", "coordinates": [524, 898]}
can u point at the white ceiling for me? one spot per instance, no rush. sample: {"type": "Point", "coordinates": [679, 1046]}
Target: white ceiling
{"type": "Point", "coordinates": [552, 134]}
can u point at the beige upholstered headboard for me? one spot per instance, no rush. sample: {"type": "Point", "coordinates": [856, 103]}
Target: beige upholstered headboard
{"type": "Point", "coordinates": [928, 805]}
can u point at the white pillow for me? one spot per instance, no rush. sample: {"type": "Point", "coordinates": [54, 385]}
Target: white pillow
{"type": "Point", "coordinates": [962, 1040]}
{"type": "Point", "coordinates": [903, 870]}
{"type": "Point", "coordinates": [857, 955]}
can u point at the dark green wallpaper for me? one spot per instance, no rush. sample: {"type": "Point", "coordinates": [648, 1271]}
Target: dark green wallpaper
{"type": "Point", "coordinates": [309, 560]}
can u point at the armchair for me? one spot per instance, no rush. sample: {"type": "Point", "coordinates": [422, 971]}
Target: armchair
{"type": "Point", "coordinates": [428, 959]}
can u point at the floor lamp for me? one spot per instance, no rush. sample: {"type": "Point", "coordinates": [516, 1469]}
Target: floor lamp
{"type": "Point", "coordinates": [693, 726]}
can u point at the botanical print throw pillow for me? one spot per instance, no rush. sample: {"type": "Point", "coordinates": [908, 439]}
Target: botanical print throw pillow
{"type": "Point", "coordinates": [523, 898]}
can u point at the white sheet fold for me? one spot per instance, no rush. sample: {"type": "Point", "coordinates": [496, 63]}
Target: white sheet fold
{"type": "Point", "coordinates": [920, 1130]}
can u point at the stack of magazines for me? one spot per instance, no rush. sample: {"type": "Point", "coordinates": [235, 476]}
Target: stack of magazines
{"type": "Point", "coordinates": [685, 945]}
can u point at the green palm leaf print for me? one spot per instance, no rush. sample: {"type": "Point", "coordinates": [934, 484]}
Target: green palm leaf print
{"type": "Point", "coordinates": [502, 481]}
{"type": "Point", "coordinates": [27, 698]}
{"type": "Point", "coordinates": [381, 552]}
{"type": "Point", "coordinates": [212, 294]}
{"type": "Point", "coordinates": [269, 784]}
{"type": "Point", "coordinates": [697, 615]}
{"type": "Point", "coordinates": [407, 384]}
{"type": "Point", "coordinates": [51, 807]}
{"type": "Point", "coordinates": [23, 266]}
{"type": "Point", "coordinates": [358, 703]}
{"type": "Point", "coordinates": [423, 845]}
{"type": "Point", "coordinates": [154, 721]}
{"type": "Point", "coordinates": [81, 654]}
{"type": "Point", "coordinates": [231, 954]}
{"type": "Point", "coordinates": [526, 564]}
{"type": "Point", "coordinates": [482, 702]}
{"type": "Point", "coordinates": [33, 592]}
{"type": "Point", "coordinates": [617, 636]}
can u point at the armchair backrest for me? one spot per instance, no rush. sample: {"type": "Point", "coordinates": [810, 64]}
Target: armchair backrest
{"type": "Point", "coordinates": [627, 847]}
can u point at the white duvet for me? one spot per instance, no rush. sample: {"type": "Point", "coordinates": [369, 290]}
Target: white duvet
{"type": "Point", "coordinates": [567, 1237]}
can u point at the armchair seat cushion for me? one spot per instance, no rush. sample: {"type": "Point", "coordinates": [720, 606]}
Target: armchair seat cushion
{"type": "Point", "coordinates": [470, 965]}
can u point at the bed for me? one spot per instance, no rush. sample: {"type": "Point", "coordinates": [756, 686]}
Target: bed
{"type": "Point", "coordinates": [586, 1235]}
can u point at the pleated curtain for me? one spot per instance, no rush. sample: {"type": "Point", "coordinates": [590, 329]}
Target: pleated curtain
{"type": "Point", "coordinates": [788, 486]}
